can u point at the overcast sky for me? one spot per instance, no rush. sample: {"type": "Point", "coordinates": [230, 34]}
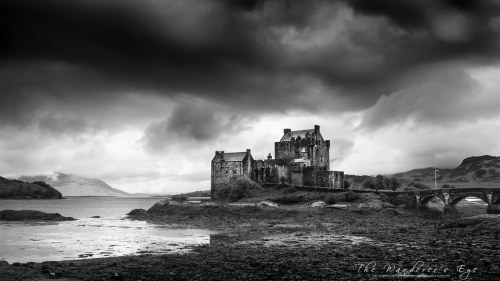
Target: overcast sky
{"type": "Point", "coordinates": [140, 93]}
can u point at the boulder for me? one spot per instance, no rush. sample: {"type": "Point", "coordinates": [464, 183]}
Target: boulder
{"type": "Point", "coordinates": [268, 204]}
{"type": "Point", "coordinates": [318, 204]}
{"type": "Point", "coordinates": [160, 206]}
{"type": "Point", "coordinates": [31, 215]}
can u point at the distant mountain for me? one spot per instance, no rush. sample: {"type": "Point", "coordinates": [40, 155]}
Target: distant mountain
{"type": "Point", "coordinates": [484, 168]}
{"type": "Point", "coordinates": [14, 189]}
{"type": "Point", "coordinates": [73, 185]}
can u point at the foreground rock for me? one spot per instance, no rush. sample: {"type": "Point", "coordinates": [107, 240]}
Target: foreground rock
{"type": "Point", "coordinates": [31, 215]}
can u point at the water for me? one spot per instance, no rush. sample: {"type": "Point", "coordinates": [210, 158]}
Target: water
{"type": "Point", "coordinates": [109, 235]}
{"type": "Point", "coordinates": [475, 200]}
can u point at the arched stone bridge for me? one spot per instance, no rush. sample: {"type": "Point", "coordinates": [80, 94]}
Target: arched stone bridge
{"type": "Point", "coordinates": [450, 197]}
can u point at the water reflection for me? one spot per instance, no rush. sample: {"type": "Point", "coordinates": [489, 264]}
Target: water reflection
{"type": "Point", "coordinates": [93, 237]}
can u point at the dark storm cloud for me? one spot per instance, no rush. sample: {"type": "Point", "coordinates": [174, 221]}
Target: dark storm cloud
{"type": "Point", "coordinates": [190, 122]}
{"type": "Point", "coordinates": [248, 55]}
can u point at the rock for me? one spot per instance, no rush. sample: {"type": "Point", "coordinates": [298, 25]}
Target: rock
{"type": "Point", "coordinates": [373, 204]}
{"type": "Point", "coordinates": [136, 212]}
{"type": "Point", "coordinates": [117, 276]}
{"type": "Point", "coordinates": [164, 206]}
{"type": "Point", "coordinates": [387, 205]}
{"type": "Point", "coordinates": [31, 215]}
{"type": "Point", "coordinates": [95, 217]}
{"type": "Point", "coordinates": [390, 211]}
{"type": "Point", "coordinates": [268, 204]}
{"type": "Point", "coordinates": [160, 207]}
{"type": "Point", "coordinates": [318, 204]}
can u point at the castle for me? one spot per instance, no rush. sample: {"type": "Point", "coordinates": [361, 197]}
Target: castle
{"type": "Point", "coordinates": [302, 158]}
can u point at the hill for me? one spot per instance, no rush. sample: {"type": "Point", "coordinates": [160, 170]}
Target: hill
{"type": "Point", "coordinates": [73, 185]}
{"type": "Point", "coordinates": [475, 169]}
{"type": "Point", "coordinates": [14, 189]}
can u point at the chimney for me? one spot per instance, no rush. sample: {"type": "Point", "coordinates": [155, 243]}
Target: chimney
{"type": "Point", "coordinates": [217, 152]}
{"type": "Point", "coordinates": [222, 154]}
{"type": "Point", "coordinates": [269, 157]}
{"type": "Point", "coordinates": [286, 131]}
{"type": "Point", "coordinates": [316, 128]}
{"type": "Point", "coordinates": [248, 151]}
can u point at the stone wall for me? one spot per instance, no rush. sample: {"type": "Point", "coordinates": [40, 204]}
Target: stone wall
{"type": "Point", "coordinates": [323, 178]}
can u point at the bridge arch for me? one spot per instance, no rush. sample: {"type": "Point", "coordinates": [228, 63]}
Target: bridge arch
{"type": "Point", "coordinates": [456, 200]}
{"type": "Point", "coordinates": [428, 198]}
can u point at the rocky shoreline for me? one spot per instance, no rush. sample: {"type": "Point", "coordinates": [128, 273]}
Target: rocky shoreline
{"type": "Point", "coordinates": [300, 242]}
{"type": "Point", "coordinates": [31, 215]}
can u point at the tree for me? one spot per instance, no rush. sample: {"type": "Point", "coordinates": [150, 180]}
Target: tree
{"type": "Point", "coordinates": [347, 184]}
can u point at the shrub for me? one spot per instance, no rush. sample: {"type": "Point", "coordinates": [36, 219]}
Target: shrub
{"type": "Point", "coordinates": [419, 185]}
{"type": "Point", "coordinates": [42, 184]}
{"type": "Point", "coordinates": [351, 196]}
{"type": "Point", "coordinates": [289, 190]}
{"type": "Point", "coordinates": [283, 180]}
{"type": "Point", "coordinates": [289, 199]}
{"type": "Point", "coordinates": [330, 199]}
{"type": "Point", "coordinates": [381, 182]}
{"type": "Point", "coordinates": [222, 192]}
{"type": "Point", "coordinates": [347, 185]}
{"type": "Point", "coordinates": [241, 188]}
{"type": "Point", "coordinates": [369, 184]}
{"type": "Point", "coordinates": [179, 198]}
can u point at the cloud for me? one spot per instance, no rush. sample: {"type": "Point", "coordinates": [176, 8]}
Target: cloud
{"type": "Point", "coordinates": [89, 77]}
{"type": "Point", "coordinates": [194, 123]}
{"type": "Point", "coordinates": [340, 149]}
{"type": "Point", "coordinates": [257, 56]}
{"type": "Point", "coordinates": [448, 99]}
